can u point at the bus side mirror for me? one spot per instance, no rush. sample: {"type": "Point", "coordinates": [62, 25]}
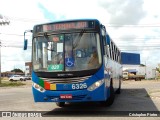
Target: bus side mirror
{"type": "Point", "coordinates": [25, 44]}
{"type": "Point", "coordinates": [25, 40]}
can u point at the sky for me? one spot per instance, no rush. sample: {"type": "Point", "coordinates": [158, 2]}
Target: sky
{"type": "Point", "coordinates": [134, 25]}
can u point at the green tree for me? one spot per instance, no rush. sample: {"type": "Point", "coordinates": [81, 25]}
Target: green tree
{"type": "Point", "coordinates": [17, 70]}
{"type": "Point", "coordinates": [158, 69]}
{"type": "Point", "coordinates": [4, 20]}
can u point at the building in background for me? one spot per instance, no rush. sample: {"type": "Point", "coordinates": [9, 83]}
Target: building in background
{"type": "Point", "coordinates": [149, 71]}
{"type": "Point", "coordinates": [9, 74]}
{"type": "Point", "coordinates": [28, 68]}
{"type": "Point", "coordinates": [131, 62]}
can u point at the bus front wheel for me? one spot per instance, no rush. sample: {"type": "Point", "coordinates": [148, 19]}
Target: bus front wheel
{"type": "Point", "coordinates": [60, 104]}
{"type": "Point", "coordinates": [119, 89]}
{"type": "Point", "coordinates": [110, 100]}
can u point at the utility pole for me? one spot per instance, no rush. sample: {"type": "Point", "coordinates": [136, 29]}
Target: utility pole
{"type": "Point", "coordinates": [0, 62]}
{"type": "Point", "coordinates": [146, 70]}
{"type": "Point", "coordinates": [3, 21]}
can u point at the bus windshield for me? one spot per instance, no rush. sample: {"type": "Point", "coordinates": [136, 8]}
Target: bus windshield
{"type": "Point", "coordinates": [66, 52]}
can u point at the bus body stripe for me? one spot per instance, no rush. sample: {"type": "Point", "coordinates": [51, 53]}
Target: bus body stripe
{"type": "Point", "coordinates": [41, 83]}
{"type": "Point", "coordinates": [47, 85]}
{"type": "Point", "coordinates": [52, 86]}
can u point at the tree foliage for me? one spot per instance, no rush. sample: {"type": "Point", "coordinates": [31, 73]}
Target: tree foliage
{"type": "Point", "coordinates": [4, 20]}
{"type": "Point", "coordinates": [17, 70]}
{"type": "Point", "coordinates": [158, 69]}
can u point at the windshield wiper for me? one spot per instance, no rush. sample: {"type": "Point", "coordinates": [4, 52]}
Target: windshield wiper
{"type": "Point", "coordinates": [47, 39]}
{"type": "Point", "coordinates": [45, 36]}
{"type": "Point", "coordinates": [78, 39]}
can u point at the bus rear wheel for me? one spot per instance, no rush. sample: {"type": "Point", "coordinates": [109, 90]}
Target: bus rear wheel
{"type": "Point", "coordinates": [110, 100]}
{"type": "Point", "coordinates": [60, 104]}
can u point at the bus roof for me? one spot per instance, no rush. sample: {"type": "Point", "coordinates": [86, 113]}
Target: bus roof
{"type": "Point", "coordinates": [64, 25]}
{"type": "Point", "coordinates": [69, 20]}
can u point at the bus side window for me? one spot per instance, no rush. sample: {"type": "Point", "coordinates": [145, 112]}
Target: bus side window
{"type": "Point", "coordinates": [111, 51]}
{"type": "Point", "coordinates": [104, 45]}
{"type": "Point", "coordinates": [119, 57]}
{"type": "Point", "coordinates": [108, 51]}
{"type": "Point", "coordinates": [104, 39]}
{"type": "Point", "coordinates": [116, 54]}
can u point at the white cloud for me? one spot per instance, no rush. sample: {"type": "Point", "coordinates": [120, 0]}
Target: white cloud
{"type": "Point", "coordinates": [24, 14]}
{"type": "Point", "coordinates": [124, 11]}
{"type": "Point", "coordinates": [22, 17]}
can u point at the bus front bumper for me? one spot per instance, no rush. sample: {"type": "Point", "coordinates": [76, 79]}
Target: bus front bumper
{"type": "Point", "coordinates": [99, 94]}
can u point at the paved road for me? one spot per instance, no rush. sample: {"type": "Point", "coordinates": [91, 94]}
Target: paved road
{"type": "Point", "coordinates": [135, 96]}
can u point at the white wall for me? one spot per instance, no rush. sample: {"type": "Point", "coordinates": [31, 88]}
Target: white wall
{"type": "Point", "coordinates": [27, 70]}
{"type": "Point", "coordinates": [142, 70]}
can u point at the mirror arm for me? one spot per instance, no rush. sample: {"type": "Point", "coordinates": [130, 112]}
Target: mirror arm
{"type": "Point", "coordinates": [25, 40]}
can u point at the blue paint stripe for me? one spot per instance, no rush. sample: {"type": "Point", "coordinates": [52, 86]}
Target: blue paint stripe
{"type": "Point", "coordinates": [35, 79]}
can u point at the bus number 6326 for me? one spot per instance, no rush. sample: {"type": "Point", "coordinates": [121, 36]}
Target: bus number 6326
{"type": "Point", "coordinates": [79, 86]}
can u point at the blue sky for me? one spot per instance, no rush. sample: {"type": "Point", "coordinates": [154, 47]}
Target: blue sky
{"type": "Point", "coordinates": [47, 14]}
{"type": "Point", "coordinates": [132, 24]}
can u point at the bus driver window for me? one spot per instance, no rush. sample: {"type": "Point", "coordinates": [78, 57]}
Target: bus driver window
{"type": "Point", "coordinates": [93, 61]}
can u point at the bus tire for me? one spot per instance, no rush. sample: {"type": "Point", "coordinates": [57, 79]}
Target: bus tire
{"type": "Point", "coordinates": [110, 100]}
{"type": "Point", "coordinates": [119, 89]}
{"type": "Point", "coordinates": [60, 104]}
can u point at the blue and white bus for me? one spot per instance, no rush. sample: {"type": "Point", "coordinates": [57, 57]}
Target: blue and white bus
{"type": "Point", "coordinates": [74, 61]}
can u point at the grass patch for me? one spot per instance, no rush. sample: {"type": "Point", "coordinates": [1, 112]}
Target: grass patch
{"type": "Point", "coordinates": [11, 84]}
{"type": "Point", "coordinates": [4, 78]}
{"type": "Point", "coordinates": [154, 91]}
{"type": "Point", "coordinates": [147, 95]}
{"type": "Point", "coordinates": [150, 92]}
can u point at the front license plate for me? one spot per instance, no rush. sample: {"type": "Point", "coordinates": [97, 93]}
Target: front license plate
{"type": "Point", "coordinates": [66, 96]}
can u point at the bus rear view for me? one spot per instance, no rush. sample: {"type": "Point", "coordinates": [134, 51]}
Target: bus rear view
{"type": "Point", "coordinates": [68, 63]}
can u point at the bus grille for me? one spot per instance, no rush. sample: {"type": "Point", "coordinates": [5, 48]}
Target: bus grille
{"type": "Point", "coordinates": [65, 80]}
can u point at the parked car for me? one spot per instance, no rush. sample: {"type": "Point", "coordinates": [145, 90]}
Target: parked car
{"type": "Point", "coordinates": [17, 78]}
{"type": "Point", "coordinates": [28, 77]}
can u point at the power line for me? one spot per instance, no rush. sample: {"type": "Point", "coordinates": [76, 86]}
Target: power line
{"type": "Point", "coordinates": [28, 19]}
{"type": "Point", "coordinates": [136, 38]}
{"type": "Point", "coordinates": [112, 38]}
{"type": "Point", "coordinates": [141, 26]}
{"type": "Point", "coordinates": [138, 45]}
{"type": "Point", "coordinates": [16, 46]}
{"type": "Point", "coordinates": [129, 48]}
{"type": "Point", "coordinates": [14, 34]}
{"type": "Point", "coordinates": [108, 24]}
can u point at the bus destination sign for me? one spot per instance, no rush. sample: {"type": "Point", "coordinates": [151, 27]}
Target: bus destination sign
{"type": "Point", "coordinates": [66, 26]}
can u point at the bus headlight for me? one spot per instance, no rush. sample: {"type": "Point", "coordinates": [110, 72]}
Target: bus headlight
{"type": "Point", "coordinates": [38, 87]}
{"type": "Point", "coordinates": [95, 85]}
